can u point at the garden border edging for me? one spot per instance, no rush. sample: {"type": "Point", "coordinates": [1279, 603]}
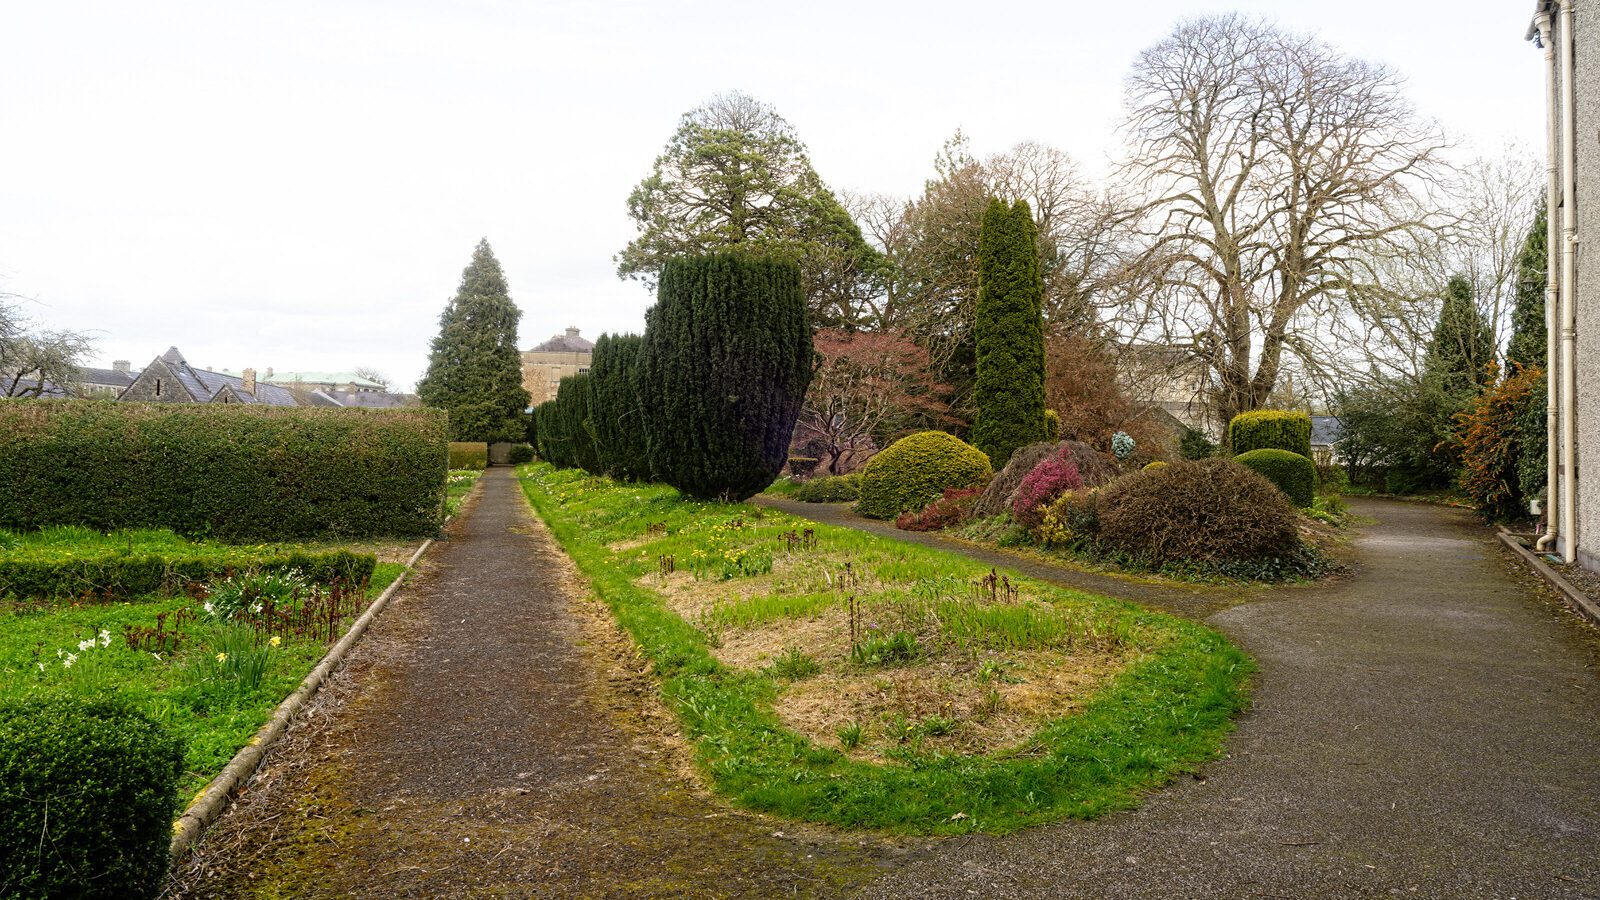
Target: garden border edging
{"type": "Point", "coordinates": [212, 799]}
{"type": "Point", "coordinates": [1579, 601]}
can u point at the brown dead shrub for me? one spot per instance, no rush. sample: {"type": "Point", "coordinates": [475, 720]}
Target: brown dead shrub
{"type": "Point", "coordinates": [1205, 511]}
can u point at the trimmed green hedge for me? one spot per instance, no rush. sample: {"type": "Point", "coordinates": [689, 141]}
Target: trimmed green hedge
{"type": "Point", "coordinates": [227, 471]}
{"type": "Point", "coordinates": [68, 572]}
{"type": "Point", "coordinates": [1294, 474]}
{"type": "Point", "coordinates": [830, 489]}
{"type": "Point", "coordinates": [88, 789]}
{"type": "Point", "coordinates": [469, 454]}
{"type": "Point", "coordinates": [1270, 429]}
{"type": "Point", "coordinates": [915, 470]}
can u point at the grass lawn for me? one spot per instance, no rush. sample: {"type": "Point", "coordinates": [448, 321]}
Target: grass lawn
{"type": "Point", "coordinates": [215, 682]}
{"type": "Point", "coordinates": [458, 487]}
{"type": "Point", "coordinates": [835, 676]}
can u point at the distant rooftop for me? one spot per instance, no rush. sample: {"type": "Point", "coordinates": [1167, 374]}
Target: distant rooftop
{"type": "Point", "coordinates": [569, 342]}
{"type": "Point", "coordinates": [313, 378]}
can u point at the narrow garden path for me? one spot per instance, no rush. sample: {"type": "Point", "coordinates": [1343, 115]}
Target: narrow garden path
{"type": "Point", "coordinates": [1426, 727]}
{"type": "Point", "coordinates": [473, 747]}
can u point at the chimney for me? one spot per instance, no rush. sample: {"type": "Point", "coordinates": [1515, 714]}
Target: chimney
{"type": "Point", "coordinates": [268, 376]}
{"type": "Point", "coordinates": [249, 378]}
{"type": "Point", "coordinates": [120, 366]}
{"type": "Point", "coordinates": [572, 331]}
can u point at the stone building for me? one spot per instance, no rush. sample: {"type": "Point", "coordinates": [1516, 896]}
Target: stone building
{"type": "Point", "coordinates": [171, 379]}
{"type": "Point", "coordinates": [544, 366]}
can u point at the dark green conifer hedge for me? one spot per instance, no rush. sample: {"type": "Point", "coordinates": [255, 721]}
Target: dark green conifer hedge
{"type": "Point", "coordinates": [618, 414]}
{"type": "Point", "coordinates": [725, 364]}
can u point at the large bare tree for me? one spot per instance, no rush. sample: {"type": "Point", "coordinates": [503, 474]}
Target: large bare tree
{"type": "Point", "coordinates": [38, 361]}
{"type": "Point", "coordinates": [1279, 180]}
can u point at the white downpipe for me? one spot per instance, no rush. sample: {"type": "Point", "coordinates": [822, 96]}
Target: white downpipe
{"type": "Point", "coordinates": [1552, 231]}
{"type": "Point", "coordinates": [1569, 274]}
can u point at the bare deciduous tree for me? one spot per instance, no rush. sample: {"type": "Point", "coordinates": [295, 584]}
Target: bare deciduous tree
{"type": "Point", "coordinates": [1280, 177]}
{"type": "Point", "coordinates": [35, 360]}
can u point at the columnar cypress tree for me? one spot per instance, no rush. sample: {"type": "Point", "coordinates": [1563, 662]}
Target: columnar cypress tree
{"type": "Point", "coordinates": [553, 447]}
{"type": "Point", "coordinates": [1009, 331]}
{"type": "Point", "coordinates": [725, 364]}
{"type": "Point", "coordinates": [1528, 347]}
{"type": "Point", "coordinates": [1463, 344]}
{"type": "Point", "coordinates": [474, 369]}
{"type": "Point", "coordinates": [618, 418]}
{"type": "Point", "coordinates": [574, 402]}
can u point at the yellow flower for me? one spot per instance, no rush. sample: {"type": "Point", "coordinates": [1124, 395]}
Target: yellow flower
{"type": "Point", "coordinates": [222, 657]}
{"type": "Point", "coordinates": [275, 640]}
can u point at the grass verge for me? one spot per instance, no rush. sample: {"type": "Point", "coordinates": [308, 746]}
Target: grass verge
{"type": "Point", "coordinates": [1166, 708]}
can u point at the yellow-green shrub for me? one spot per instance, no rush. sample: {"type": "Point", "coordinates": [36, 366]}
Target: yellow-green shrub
{"type": "Point", "coordinates": [1270, 429]}
{"type": "Point", "coordinates": [915, 470]}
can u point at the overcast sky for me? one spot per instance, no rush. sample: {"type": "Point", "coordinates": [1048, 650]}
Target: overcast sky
{"type": "Point", "coordinates": [299, 185]}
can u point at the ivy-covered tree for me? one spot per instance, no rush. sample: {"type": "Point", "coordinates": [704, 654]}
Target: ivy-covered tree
{"type": "Point", "coordinates": [1008, 393]}
{"type": "Point", "coordinates": [735, 176]}
{"type": "Point", "coordinates": [726, 360]}
{"type": "Point", "coordinates": [1462, 347]}
{"type": "Point", "coordinates": [474, 369]}
{"type": "Point", "coordinates": [618, 416]}
{"type": "Point", "coordinates": [1528, 337]}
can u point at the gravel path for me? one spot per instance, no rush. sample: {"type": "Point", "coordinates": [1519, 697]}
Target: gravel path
{"type": "Point", "coordinates": [1426, 727]}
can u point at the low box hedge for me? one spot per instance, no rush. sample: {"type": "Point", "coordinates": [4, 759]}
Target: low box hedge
{"type": "Point", "coordinates": [469, 454]}
{"type": "Point", "coordinates": [227, 471]}
{"type": "Point", "coordinates": [1294, 474]}
{"type": "Point", "coordinates": [88, 789]}
{"type": "Point", "coordinates": [53, 573]}
{"type": "Point", "coordinates": [1270, 429]}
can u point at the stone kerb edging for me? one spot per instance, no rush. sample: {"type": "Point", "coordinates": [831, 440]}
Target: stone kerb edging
{"type": "Point", "coordinates": [214, 797]}
{"type": "Point", "coordinates": [1578, 600]}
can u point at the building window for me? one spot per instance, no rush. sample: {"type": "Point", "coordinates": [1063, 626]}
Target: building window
{"type": "Point", "coordinates": [158, 387]}
{"type": "Point", "coordinates": [583, 371]}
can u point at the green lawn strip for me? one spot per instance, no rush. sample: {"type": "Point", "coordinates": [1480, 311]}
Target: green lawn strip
{"type": "Point", "coordinates": [174, 688]}
{"type": "Point", "coordinates": [457, 487]}
{"type": "Point", "coordinates": [1165, 714]}
{"type": "Point", "coordinates": [68, 562]}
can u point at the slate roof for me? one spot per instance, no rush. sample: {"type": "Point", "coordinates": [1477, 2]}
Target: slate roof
{"type": "Point", "coordinates": [202, 384]}
{"type": "Point", "coordinates": [566, 343]}
{"type": "Point", "coordinates": [93, 375]}
{"type": "Point", "coordinates": [364, 399]}
{"type": "Point", "coordinates": [340, 378]}
{"type": "Point", "coordinates": [1326, 431]}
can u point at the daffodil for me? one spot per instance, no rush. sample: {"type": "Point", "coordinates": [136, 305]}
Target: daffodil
{"type": "Point", "coordinates": [275, 641]}
{"type": "Point", "coordinates": [222, 657]}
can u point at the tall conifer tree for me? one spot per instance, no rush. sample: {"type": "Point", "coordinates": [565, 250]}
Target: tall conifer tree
{"type": "Point", "coordinates": [724, 367]}
{"type": "Point", "coordinates": [474, 369]}
{"type": "Point", "coordinates": [1528, 347]}
{"type": "Point", "coordinates": [1009, 331]}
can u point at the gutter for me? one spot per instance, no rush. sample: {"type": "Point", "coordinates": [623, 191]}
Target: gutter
{"type": "Point", "coordinates": [1569, 268]}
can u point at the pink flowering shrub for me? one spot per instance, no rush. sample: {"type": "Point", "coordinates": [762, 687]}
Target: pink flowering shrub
{"type": "Point", "coordinates": [1052, 477]}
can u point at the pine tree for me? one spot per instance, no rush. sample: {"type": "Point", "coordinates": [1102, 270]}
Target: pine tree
{"type": "Point", "coordinates": [1009, 331]}
{"type": "Point", "coordinates": [474, 369]}
{"type": "Point", "coordinates": [1528, 337]}
{"type": "Point", "coordinates": [618, 417]}
{"type": "Point", "coordinates": [722, 372]}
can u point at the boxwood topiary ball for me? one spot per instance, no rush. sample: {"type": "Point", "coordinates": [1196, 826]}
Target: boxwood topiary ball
{"type": "Point", "coordinates": [1295, 475]}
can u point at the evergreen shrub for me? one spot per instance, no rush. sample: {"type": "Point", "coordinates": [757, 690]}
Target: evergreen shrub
{"type": "Point", "coordinates": [88, 789]}
{"type": "Point", "coordinates": [1270, 429]}
{"type": "Point", "coordinates": [469, 454]}
{"type": "Point", "coordinates": [227, 471]}
{"type": "Point", "coordinates": [830, 489]}
{"type": "Point", "coordinates": [107, 573]}
{"type": "Point", "coordinates": [1211, 511]}
{"type": "Point", "coordinates": [915, 470]}
{"type": "Point", "coordinates": [1294, 474]}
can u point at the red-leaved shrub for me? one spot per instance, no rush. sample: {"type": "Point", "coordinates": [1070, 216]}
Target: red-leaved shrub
{"type": "Point", "coordinates": [1052, 477]}
{"type": "Point", "coordinates": [951, 509]}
